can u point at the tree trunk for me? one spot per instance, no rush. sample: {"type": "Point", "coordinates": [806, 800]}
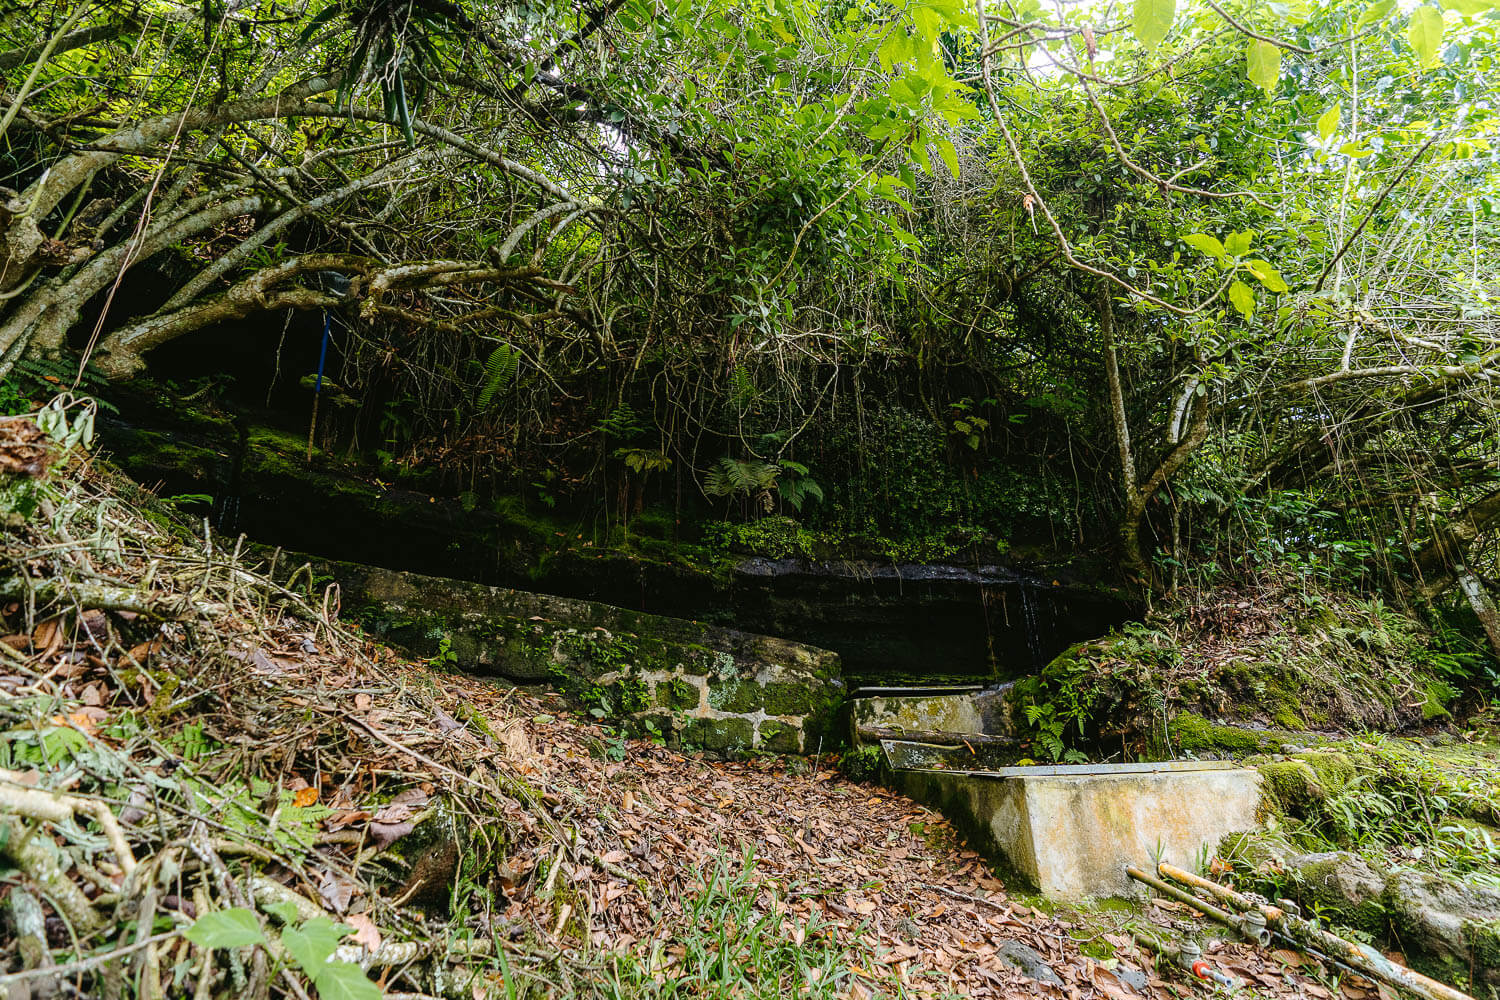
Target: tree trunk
{"type": "Point", "coordinates": [1483, 604]}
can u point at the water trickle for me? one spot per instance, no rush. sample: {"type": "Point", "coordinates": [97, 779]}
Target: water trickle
{"type": "Point", "coordinates": [1029, 619]}
{"type": "Point", "coordinates": [227, 519]}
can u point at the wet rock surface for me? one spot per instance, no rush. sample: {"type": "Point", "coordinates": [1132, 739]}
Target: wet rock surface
{"type": "Point", "coordinates": [1028, 961]}
{"type": "Point", "coordinates": [1447, 928]}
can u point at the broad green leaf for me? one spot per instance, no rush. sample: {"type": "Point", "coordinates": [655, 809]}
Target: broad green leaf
{"type": "Point", "coordinates": [1242, 298]}
{"type": "Point", "coordinates": [1238, 244]}
{"type": "Point", "coordinates": [929, 22]}
{"type": "Point", "coordinates": [895, 50]}
{"type": "Point", "coordinates": [1426, 34]}
{"type": "Point", "coordinates": [1377, 11]}
{"type": "Point", "coordinates": [1153, 19]}
{"type": "Point", "coordinates": [919, 153]}
{"type": "Point", "coordinates": [1328, 121]}
{"type": "Point", "coordinates": [949, 154]}
{"type": "Point", "coordinates": [1204, 243]}
{"type": "Point", "coordinates": [1267, 275]}
{"type": "Point", "coordinates": [344, 981]}
{"type": "Point", "coordinates": [1263, 64]}
{"type": "Point", "coordinates": [234, 928]}
{"type": "Point", "coordinates": [1471, 8]}
{"type": "Point", "coordinates": [313, 943]}
{"type": "Point", "coordinates": [285, 912]}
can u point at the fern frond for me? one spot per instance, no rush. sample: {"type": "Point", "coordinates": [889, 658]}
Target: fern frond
{"type": "Point", "coordinates": [499, 372]}
{"type": "Point", "coordinates": [734, 476]}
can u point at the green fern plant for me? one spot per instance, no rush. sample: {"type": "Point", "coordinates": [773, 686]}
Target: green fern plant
{"type": "Point", "coordinates": [499, 373]}
{"type": "Point", "coordinates": [743, 477]}
{"type": "Point", "coordinates": [796, 487]}
{"type": "Point", "coordinates": [741, 388]}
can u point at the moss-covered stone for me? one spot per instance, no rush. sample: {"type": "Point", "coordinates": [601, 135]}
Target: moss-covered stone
{"type": "Point", "coordinates": [780, 737]}
{"type": "Point", "coordinates": [677, 693]}
{"type": "Point", "coordinates": [738, 696]}
{"type": "Point", "coordinates": [732, 736]}
{"type": "Point", "coordinates": [791, 698]}
{"type": "Point", "coordinates": [1335, 770]}
{"type": "Point", "coordinates": [614, 663]}
{"type": "Point", "coordinates": [1291, 787]}
{"type": "Point", "coordinates": [1192, 733]}
{"type": "Point", "coordinates": [1345, 887]}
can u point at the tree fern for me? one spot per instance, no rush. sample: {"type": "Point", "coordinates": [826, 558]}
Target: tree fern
{"type": "Point", "coordinates": [499, 372]}
{"type": "Point", "coordinates": [736, 476]}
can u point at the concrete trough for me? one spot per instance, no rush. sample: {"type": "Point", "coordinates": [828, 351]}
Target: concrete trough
{"type": "Point", "coordinates": [1071, 829]}
{"type": "Point", "coordinates": [955, 710]}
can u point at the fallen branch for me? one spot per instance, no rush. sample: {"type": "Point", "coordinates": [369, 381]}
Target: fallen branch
{"type": "Point", "coordinates": [105, 598]}
{"type": "Point", "coordinates": [54, 807]}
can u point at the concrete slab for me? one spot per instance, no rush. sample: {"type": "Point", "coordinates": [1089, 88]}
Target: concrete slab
{"type": "Point", "coordinates": [1071, 831]}
{"type": "Point", "coordinates": [963, 711]}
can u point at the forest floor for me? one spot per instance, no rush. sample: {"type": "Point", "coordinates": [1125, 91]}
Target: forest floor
{"type": "Point", "coordinates": [210, 787]}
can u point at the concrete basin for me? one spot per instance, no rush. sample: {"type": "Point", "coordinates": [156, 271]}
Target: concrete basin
{"type": "Point", "coordinates": [1071, 829]}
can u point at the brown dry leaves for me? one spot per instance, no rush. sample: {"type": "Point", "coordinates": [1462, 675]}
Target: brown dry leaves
{"type": "Point", "coordinates": [860, 858]}
{"type": "Point", "coordinates": [24, 450]}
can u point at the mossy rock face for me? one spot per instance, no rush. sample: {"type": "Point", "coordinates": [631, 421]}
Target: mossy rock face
{"type": "Point", "coordinates": [728, 692]}
{"type": "Point", "coordinates": [779, 737]}
{"type": "Point", "coordinates": [733, 737]}
{"type": "Point", "coordinates": [1343, 883]}
{"type": "Point", "coordinates": [677, 693]}
{"type": "Point", "coordinates": [1292, 787]}
{"type": "Point", "coordinates": [1192, 733]}
{"type": "Point", "coordinates": [737, 696]}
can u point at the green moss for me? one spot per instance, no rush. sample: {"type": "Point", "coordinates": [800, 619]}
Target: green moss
{"type": "Point", "coordinates": [1193, 733]}
{"type": "Point", "coordinates": [1436, 695]}
{"type": "Point", "coordinates": [1334, 770]}
{"type": "Point", "coordinates": [1291, 787]}
{"type": "Point", "coordinates": [677, 693]}
{"type": "Point", "coordinates": [1318, 883]}
{"type": "Point", "coordinates": [862, 763]}
{"type": "Point", "coordinates": [778, 737]}
{"type": "Point", "coordinates": [790, 698]}
{"type": "Point", "coordinates": [733, 736]}
{"type": "Point", "coordinates": [737, 696]}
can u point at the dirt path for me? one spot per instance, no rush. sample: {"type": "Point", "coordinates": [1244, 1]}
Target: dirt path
{"type": "Point", "coordinates": [871, 863]}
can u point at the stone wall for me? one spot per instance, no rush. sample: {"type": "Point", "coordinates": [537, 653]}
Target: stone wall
{"type": "Point", "coordinates": [694, 684]}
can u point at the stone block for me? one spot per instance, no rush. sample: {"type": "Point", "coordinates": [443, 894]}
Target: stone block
{"type": "Point", "coordinates": [1071, 830]}
{"type": "Point", "coordinates": [779, 737]}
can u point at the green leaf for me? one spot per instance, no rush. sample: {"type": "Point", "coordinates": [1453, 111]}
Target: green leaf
{"type": "Point", "coordinates": [896, 49]}
{"type": "Point", "coordinates": [1267, 275]}
{"type": "Point", "coordinates": [285, 912]}
{"type": "Point", "coordinates": [919, 153]}
{"type": "Point", "coordinates": [234, 928]}
{"type": "Point", "coordinates": [1470, 8]}
{"type": "Point", "coordinates": [949, 154]}
{"type": "Point", "coordinates": [313, 943]}
{"type": "Point", "coordinates": [1426, 34]}
{"type": "Point", "coordinates": [1328, 121]}
{"type": "Point", "coordinates": [1377, 11]}
{"type": "Point", "coordinates": [1238, 244]}
{"type": "Point", "coordinates": [1153, 19]}
{"type": "Point", "coordinates": [1242, 298]}
{"type": "Point", "coordinates": [344, 981]}
{"type": "Point", "coordinates": [1204, 243]}
{"type": "Point", "coordinates": [1263, 64]}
